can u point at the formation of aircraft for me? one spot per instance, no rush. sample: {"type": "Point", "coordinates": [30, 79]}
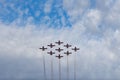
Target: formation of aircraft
{"type": "Point", "coordinates": [51, 45]}
{"type": "Point", "coordinates": [59, 42]}
{"type": "Point", "coordinates": [75, 49]}
{"type": "Point", "coordinates": [43, 48]}
{"type": "Point", "coordinates": [59, 56]}
{"type": "Point", "coordinates": [67, 53]}
{"type": "Point", "coordinates": [59, 49]}
{"type": "Point", "coordinates": [51, 53]}
{"type": "Point", "coordinates": [67, 45]}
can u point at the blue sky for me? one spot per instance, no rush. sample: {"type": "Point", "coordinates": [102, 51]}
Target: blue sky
{"type": "Point", "coordinates": [92, 25]}
{"type": "Point", "coordinates": [35, 9]}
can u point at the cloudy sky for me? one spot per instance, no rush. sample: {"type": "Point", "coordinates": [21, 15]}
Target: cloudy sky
{"type": "Point", "coordinates": [92, 25]}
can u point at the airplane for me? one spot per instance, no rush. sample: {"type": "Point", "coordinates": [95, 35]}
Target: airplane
{"type": "Point", "coordinates": [59, 56]}
{"type": "Point", "coordinates": [67, 45]}
{"type": "Point", "coordinates": [59, 49]}
{"type": "Point", "coordinates": [43, 48]}
{"type": "Point", "coordinates": [51, 45]}
{"type": "Point", "coordinates": [67, 53]}
{"type": "Point", "coordinates": [59, 42]}
{"type": "Point", "coordinates": [51, 53]}
{"type": "Point", "coordinates": [75, 49]}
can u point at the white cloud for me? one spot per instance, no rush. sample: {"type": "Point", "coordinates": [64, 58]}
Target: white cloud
{"type": "Point", "coordinates": [95, 60]}
{"type": "Point", "coordinates": [75, 8]}
{"type": "Point", "coordinates": [92, 20]}
{"type": "Point", "coordinates": [104, 5]}
{"type": "Point", "coordinates": [113, 15]}
{"type": "Point", "coordinates": [47, 7]}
